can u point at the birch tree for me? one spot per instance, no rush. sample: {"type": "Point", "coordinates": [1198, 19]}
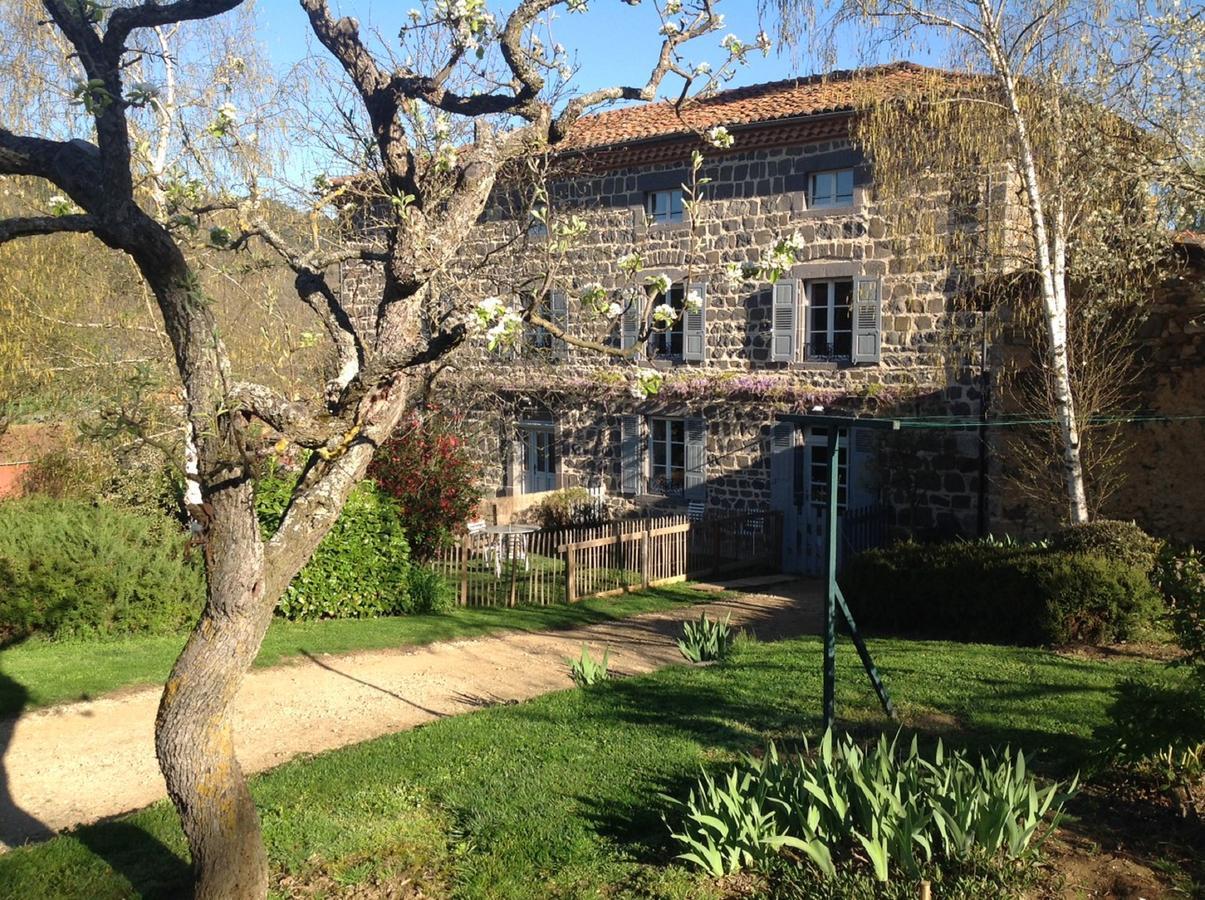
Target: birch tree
{"type": "Point", "coordinates": [490, 71]}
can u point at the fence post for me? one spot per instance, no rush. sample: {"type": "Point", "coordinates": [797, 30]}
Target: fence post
{"type": "Point", "coordinates": [646, 540]}
{"type": "Point", "coordinates": [464, 569]}
{"type": "Point", "coordinates": [570, 573]}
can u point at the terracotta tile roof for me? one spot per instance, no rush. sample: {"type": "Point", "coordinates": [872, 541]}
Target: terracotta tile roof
{"type": "Point", "coordinates": [815, 95]}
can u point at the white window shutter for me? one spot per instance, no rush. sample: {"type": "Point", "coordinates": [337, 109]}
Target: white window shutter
{"type": "Point", "coordinates": [629, 322]}
{"type": "Point", "coordinates": [696, 460]}
{"type": "Point", "coordinates": [694, 326]}
{"type": "Point", "coordinates": [784, 315]}
{"type": "Point", "coordinates": [631, 469]}
{"type": "Point", "coordinates": [782, 446]}
{"type": "Point", "coordinates": [558, 313]}
{"type": "Point", "coordinates": [867, 320]}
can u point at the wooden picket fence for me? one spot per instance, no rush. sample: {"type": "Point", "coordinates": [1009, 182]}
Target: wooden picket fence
{"type": "Point", "coordinates": [565, 565]}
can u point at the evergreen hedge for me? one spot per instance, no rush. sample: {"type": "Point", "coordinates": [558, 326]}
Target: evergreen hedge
{"type": "Point", "coordinates": [70, 568]}
{"type": "Point", "coordinates": [998, 593]}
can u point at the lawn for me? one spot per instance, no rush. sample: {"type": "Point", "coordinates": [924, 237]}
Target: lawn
{"type": "Point", "coordinates": [559, 797]}
{"type": "Point", "coordinates": [41, 673]}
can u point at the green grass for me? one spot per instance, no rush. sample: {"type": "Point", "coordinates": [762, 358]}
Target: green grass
{"type": "Point", "coordinates": [559, 797]}
{"type": "Point", "coordinates": [41, 673]}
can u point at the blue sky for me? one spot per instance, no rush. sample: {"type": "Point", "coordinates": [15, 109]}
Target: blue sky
{"type": "Point", "coordinates": [613, 42]}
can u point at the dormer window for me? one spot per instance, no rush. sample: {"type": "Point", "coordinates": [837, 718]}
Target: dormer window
{"type": "Point", "coordinates": [665, 207]}
{"type": "Point", "coordinates": [832, 188]}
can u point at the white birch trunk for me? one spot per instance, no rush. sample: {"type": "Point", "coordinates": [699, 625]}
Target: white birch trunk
{"type": "Point", "coordinates": [1051, 251]}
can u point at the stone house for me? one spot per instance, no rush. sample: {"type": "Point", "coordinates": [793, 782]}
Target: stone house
{"type": "Point", "coordinates": [854, 328]}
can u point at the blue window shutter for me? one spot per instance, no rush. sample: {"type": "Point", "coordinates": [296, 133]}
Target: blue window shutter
{"type": "Point", "coordinates": [696, 460]}
{"type": "Point", "coordinates": [694, 331]}
{"type": "Point", "coordinates": [784, 316]}
{"type": "Point", "coordinates": [631, 470]}
{"type": "Point", "coordinates": [558, 313]}
{"type": "Point", "coordinates": [867, 320]}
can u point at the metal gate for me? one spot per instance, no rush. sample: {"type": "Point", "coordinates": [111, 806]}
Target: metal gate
{"type": "Point", "coordinates": [798, 478]}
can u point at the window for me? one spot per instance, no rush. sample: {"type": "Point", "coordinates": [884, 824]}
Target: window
{"type": "Point", "coordinates": [668, 470]}
{"type": "Point", "coordinates": [665, 207]}
{"type": "Point", "coordinates": [833, 188]}
{"type": "Point", "coordinates": [669, 343]}
{"type": "Point", "coordinates": [537, 338]}
{"type": "Point", "coordinates": [817, 443]}
{"type": "Point", "coordinates": [830, 325]}
{"type": "Point", "coordinates": [538, 443]}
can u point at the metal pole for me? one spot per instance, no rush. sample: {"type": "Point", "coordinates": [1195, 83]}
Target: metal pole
{"type": "Point", "coordinates": [830, 599]}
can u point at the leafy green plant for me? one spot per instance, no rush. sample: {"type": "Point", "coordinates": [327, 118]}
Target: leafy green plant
{"type": "Point", "coordinates": [706, 640]}
{"type": "Point", "coordinates": [428, 591]}
{"type": "Point", "coordinates": [999, 593]}
{"type": "Point", "coordinates": [1180, 577]}
{"type": "Point", "coordinates": [362, 566]}
{"type": "Point", "coordinates": [899, 811]}
{"type": "Point", "coordinates": [571, 507]}
{"type": "Point", "coordinates": [585, 670]}
{"type": "Point", "coordinates": [1111, 539]}
{"type": "Point", "coordinates": [69, 568]}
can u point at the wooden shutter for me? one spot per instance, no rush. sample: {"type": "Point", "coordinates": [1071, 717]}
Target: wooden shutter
{"type": "Point", "coordinates": [631, 469]}
{"type": "Point", "coordinates": [696, 459]}
{"type": "Point", "coordinates": [558, 313]}
{"type": "Point", "coordinates": [694, 337]}
{"type": "Point", "coordinates": [784, 315]}
{"type": "Point", "coordinates": [867, 319]}
{"type": "Point", "coordinates": [629, 323]}
{"type": "Point", "coordinates": [782, 446]}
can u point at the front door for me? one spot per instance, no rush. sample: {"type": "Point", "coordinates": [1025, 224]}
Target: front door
{"type": "Point", "coordinates": [539, 460]}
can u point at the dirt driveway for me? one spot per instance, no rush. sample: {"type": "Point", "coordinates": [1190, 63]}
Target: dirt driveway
{"type": "Point", "coordinates": [80, 762]}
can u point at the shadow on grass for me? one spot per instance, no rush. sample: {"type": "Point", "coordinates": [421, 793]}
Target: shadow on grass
{"type": "Point", "coordinates": [153, 869]}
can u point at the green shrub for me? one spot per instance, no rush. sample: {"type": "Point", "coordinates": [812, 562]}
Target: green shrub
{"type": "Point", "coordinates": [362, 566]}
{"type": "Point", "coordinates": [428, 591]}
{"type": "Point", "coordinates": [1115, 540]}
{"type": "Point", "coordinates": [706, 640]}
{"type": "Point", "coordinates": [585, 671]}
{"type": "Point", "coordinates": [1180, 578]}
{"type": "Point", "coordinates": [997, 593]}
{"type": "Point", "coordinates": [572, 507]}
{"type": "Point", "coordinates": [901, 812]}
{"type": "Point", "coordinates": [69, 568]}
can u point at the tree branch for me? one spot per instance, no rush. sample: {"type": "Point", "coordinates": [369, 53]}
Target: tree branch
{"type": "Point", "coordinates": [124, 20]}
{"type": "Point", "coordinates": [29, 226]}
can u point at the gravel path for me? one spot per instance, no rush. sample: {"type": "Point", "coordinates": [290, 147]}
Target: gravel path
{"type": "Point", "coordinates": [85, 761]}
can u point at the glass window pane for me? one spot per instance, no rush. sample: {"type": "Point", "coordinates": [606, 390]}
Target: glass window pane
{"type": "Point", "coordinates": [822, 188]}
{"type": "Point", "coordinates": [845, 186]}
{"type": "Point", "coordinates": [842, 292]}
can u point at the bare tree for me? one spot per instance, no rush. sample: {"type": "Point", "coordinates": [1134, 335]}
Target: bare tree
{"type": "Point", "coordinates": [383, 365]}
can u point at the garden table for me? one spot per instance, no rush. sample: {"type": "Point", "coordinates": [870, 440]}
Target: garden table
{"type": "Point", "coordinates": [511, 538]}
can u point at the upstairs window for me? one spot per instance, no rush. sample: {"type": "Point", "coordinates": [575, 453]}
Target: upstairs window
{"type": "Point", "coordinates": [830, 322]}
{"type": "Point", "coordinates": [665, 207]}
{"type": "Point", "coordinates": [832, 188]}
{"type": "Point", "coordinates": [670, 343]}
